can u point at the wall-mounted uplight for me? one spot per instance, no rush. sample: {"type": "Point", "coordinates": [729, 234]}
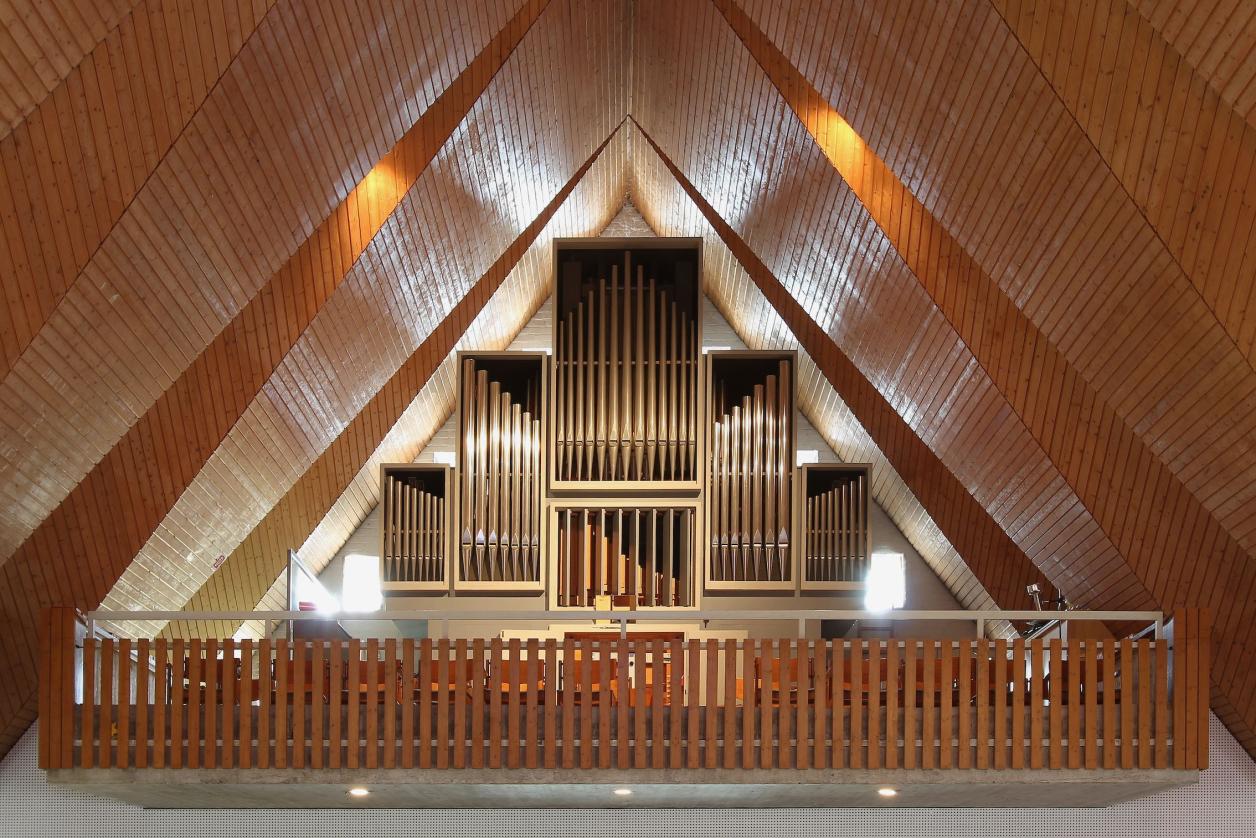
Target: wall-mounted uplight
{"type": "Point", "coordinates": [447, 458]}
{"type": "Point", "coordinates": [887, 792]}
{"type": "Point", "coordinates": [359, 791]}
{"type": "Point", "coordinates": [886, 585]}
{"type": "Point", "coordinates": [622, 792]}
{"type": "Point", "coordinates": [806, 456]}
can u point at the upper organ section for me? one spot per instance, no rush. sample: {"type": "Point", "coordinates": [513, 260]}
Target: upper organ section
{"type": "Point", "coordinates": [626, 385]}
{"type": "Point", "coordinates": [624, 469]}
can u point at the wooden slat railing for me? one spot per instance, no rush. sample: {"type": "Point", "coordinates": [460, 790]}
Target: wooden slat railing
{"type": "Point", "coordinates": [655, 703]}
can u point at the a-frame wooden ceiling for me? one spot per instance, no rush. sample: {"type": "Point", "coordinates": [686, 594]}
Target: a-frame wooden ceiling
{"type": "Point", "coordinates": [1013, 240]}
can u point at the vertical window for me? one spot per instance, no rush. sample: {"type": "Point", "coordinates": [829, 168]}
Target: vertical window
{"type": "Point", "coordinates": [886, 586]}
{"type": "Point", "coordinates": [360, 590]}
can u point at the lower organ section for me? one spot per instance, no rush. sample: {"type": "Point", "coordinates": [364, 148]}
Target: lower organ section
{"type": "Point", "coordinates": [635, 557]}
{"type": "Point", "coordinates": [414, 548]}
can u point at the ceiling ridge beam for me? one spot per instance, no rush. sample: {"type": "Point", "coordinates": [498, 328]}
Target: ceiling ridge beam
{"type": "Point", "coordinates": [56, 228]}
{"type": "Point", "coordinates": [109, 516]}
{"type": "Point", "coordinates": [1081, 434]}
{"type": "Point", "coordinates": [997, 562]}
{"type": "Point", "coordinates": [1134, 179]}
{"type": "Point", "coordinates": [247, 574]}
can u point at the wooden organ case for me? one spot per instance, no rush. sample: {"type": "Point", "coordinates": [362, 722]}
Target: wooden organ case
{"type": "Point", "coordinates": [625, 469]}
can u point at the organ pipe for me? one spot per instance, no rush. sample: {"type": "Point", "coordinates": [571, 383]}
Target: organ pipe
{"type": "Point", "coordinates": [638, 556]}
{"type": "Point", "coordinates": [836, 525]}
{"type": "Point", "coordinates": [500, 476]}
{"type": "Point", "coordinates": [413, 527]}
{"type": "Point", "coordinates": [750, 477]}
{"type": "Point", "coordinates": [626, 383]}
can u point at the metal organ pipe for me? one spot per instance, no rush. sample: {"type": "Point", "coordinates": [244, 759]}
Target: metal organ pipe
{"type": "Point", "coordinates": [500, 478]}
{"type": "Point", "coordinates": [626, 387]}
{"type": "Point", "coordinates": [751, 476]}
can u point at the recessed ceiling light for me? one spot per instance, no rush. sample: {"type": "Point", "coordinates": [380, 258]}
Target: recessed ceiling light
{"type": "Point", "coordinates": [623, 792]}
{"type": "Point", "coordinates": [359, 791]}
{"type": "Point", "coordinates": [887, 792]}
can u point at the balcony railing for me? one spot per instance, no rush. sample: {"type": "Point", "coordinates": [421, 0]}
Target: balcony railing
{"type": "Point", "coordinates": [641, 697]}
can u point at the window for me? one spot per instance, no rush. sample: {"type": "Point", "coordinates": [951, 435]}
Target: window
{"type": "Point", "coordinates": [886, 585]}
{"type": "Point", "coordinates": [360, 590]}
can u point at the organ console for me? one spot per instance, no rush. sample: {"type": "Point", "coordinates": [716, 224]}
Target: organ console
{"type": "Point", "coordinates": [624, 467]}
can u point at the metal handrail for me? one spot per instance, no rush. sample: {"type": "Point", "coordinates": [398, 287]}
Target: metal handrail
{"type": "Point", "coordinates": [623, 618]}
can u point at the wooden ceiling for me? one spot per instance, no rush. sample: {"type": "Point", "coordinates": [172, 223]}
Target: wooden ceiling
{"type": "Point", "coordinates": [241, 240]}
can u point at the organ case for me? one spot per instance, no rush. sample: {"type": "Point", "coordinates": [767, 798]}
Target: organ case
{"type": "Point", "coordinates": [626, 413]}
{"type": "Point", "coordinates": [835, 501]}
{"type": "Point", "coordinates": [750, 471]}
{"type": "Point", "coordinates": [414, 528]}
{"type": "Point", "coordinates": [500, 545]}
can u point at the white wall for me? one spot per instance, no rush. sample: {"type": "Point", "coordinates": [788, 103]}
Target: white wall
{"type": "Point", "coordinates": [1223, 804]}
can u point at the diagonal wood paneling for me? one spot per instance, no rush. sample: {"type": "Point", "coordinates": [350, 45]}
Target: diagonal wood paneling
{"type": "Point", "coordinates": [41, 42]}
{"type": "Point", "coordinates": [468, 205]}
{"type": "Point", "coordinates": [108, 113]}
{"type": "Point", "coordinates": [1182, 153]}
{"type": "Point", "coordinates": [268, 155]}
{"type": "Point", "coordinates": [966, 121]}
{"type": "Point", "coordinates": [78, 555]}
{"type": "Point", "coordinates": [251, 569]}
{"type": "Point", "coordinates": [585, 212]}
{"type": "Point", "coordinates": [1216, 37]}
{"type": "Point", "coordinates": [1147, 511]}
{"type": "Point", "coordinates": [731, 289]}
{"type": "Point", "coordinates": [994, 559]}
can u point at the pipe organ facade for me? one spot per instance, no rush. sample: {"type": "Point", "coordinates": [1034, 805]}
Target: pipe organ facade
{"type": "Point", "coordinates": [626, 469]}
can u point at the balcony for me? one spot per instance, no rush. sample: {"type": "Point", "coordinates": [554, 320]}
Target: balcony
{"type": "Point", "coordinates": [679, 714]}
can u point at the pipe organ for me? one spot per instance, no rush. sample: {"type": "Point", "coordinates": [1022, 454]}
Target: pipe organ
{"type": "Point", "coordinates": [836, 523]}
{"type": "Point", "coordinates": [750, 485]}
{"type": "Point", "coordinates": [414, 532]}
{"type": "Point", "coordinates": [624, 468]}
{"type": "Point", "coordinates": [499, 470]}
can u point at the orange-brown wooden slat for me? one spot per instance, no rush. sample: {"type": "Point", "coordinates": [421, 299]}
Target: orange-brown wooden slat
{"type": "Point", "coordinates": [657, 704]}
{"type": "Point", "coordinates": [856, 668]}
{"type": "Point", "coordinates": [571, 684]}
{"type": "Point", "coordinates": [393, 688]}
{"type": "Point", "coordinates": [893, 715]}
{"type": "Point", "coordinates": [178, 703]}
{"type": "Point", "coordinates": [442, 702]}
{"type": "Point", "coordinates": [353, 716]}
{"type": "Point", "coordinates": [369, 687]}
{"type": "Point", "coordinates": [1128, 704]}
{"type": "Point", "coordinates": [728, 707]}
{"type": "Point", "coordinates": [1036, 732]}
{"type": "Point", "coordinates": [763, 671]}
{"type": "Point", "coordinates": [531, 728]}
{"type": "Point", "coordinates": [426, 699]}
{"type": "Point", "coordinates": [984, 690]}
{"type": "Point", "coordinates": [211, 704]}
{"type": "Point", "coordinates": [226, 691]}
{"type": "Point", "coordinates": [105, 729]}
{"type": "Point", "coordinates": [1000, 686]}
{"type": "Point", "coordinates": [496, 663]}
{"type": "Point", "coordinates": [1018, 703]}
{"type": "Point", "coordinates": [299, 697]}
{"type": "Point", "coordinates": [693, 705]}
{"type": "Point", "coordinates": [244, 690]}
{"type": "Point", "coordinates": [160, 698]}
{"type": "Point", "coordinates": [964, 673]}
{"type": "Point", "coordinates": [749, 748]}
{"type": "Point", "coordinates": [1056, 725]}
{"type": "Point", "coordinates": [87, 753]}
{"type": "Point", "coordinates": [514, 679]}
{"type": "Point", "coordinates": [1075, 711]}
{"type": "Point", "coordinates": [195, 701]}
{"type": "Point", "coordinates": [1090, 653]}
{"type": "Point", "coordinates": [123, 706]}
